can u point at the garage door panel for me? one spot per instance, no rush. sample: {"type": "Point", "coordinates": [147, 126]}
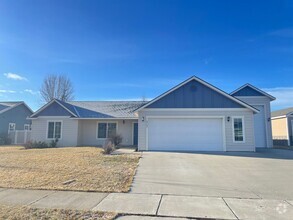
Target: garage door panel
{"type": "Point", "coordinates": [190, 134]}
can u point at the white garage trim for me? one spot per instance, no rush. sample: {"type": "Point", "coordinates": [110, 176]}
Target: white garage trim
{"type": "Point", "coordinates": [186, 117]}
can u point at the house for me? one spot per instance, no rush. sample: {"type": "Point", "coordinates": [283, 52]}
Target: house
{"type": "Point", "coordinates": [192, 116]}
{"type": "Point", "coordinates": [14, 117]}
{"type": "Point", "coordinates": [282, 126]}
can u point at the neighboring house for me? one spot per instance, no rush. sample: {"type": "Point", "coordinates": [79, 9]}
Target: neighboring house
{"type": "Point", "coordinates": [192, 116]}
{"type": "Point", "coordinates": [14, 116]}
{"type": "Point", "coordinates": [282, 126]}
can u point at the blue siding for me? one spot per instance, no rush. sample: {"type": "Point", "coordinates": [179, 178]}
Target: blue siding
{"type": "Point", "coordinates": [248, 91]}
{"type": "Point", "coordinates": [17, 115]}
{"type": "Point", "coordinates": [54, 110]}
{"type": "Point", "coordinates": [194, 95]}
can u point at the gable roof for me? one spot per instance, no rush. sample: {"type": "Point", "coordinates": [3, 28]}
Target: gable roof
{"type": "Point", "coordinates": [282, 112]}
{"type": "Point", "coordinates": [6, 106]}
{"type": "Point", "coordinates": [261, 92]}
{"type": "Point", "coordinates": [96, 109]}
{"type": "Point", "coordinates": [204, 83]}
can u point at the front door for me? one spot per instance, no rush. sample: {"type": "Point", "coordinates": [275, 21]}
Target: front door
{"type": "Point", "coordinates": [135, 134]}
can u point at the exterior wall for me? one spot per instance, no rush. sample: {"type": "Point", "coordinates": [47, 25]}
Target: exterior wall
{"type": "Point", "coordinates": [87, 134]}
{"type": "Point", "coordinates": [279, 128]}
{"type": "Point", "coordinates": [262, 100]}
{"type": "Point", "coordinates": [230, 146]}
{"type": "Point", "coordinates": [17, 115]}
{"type": "Point", "coordinates": [69, 130]}
{"type": "Point", "coordinates": [194, 95]}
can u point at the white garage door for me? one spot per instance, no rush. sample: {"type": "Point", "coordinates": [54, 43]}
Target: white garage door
{"type": "Point", "coordinates": [190, 134]}
{"type": "Point", "coordinates": [259, 127]}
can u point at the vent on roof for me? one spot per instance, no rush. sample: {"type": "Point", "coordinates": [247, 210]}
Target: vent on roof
{"type": "Point", "coordinates": [193, 88]}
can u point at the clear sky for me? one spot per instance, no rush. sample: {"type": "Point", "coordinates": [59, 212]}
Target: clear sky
{"type": "Point", "coordinates": [119, 50]}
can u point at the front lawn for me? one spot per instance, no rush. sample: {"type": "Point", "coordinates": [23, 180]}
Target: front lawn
{"type": "Point", "coordinates": [83, 168]}
{"type": "Point", "coordinates": [28, 213]}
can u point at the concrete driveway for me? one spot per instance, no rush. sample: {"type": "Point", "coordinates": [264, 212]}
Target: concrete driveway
{"type": "Point", "coordinates": [265, 174]}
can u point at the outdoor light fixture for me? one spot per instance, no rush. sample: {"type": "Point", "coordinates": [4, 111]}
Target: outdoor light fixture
{"type": "Point", "coordinates": [228, 118]}
{"type": "Point", "coordinates": [123, 121]}
{"type": "Point", "coordinates": [269, 119]}
{"type": "Point", "coordinates": [142, 119]}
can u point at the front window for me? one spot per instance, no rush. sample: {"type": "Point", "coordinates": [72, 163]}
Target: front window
{"type": "Point", "coordinates": [54, 129]}
{"type": "Point", "coordinates": [11, 127]}
{"type": "Point", "coordinates": [27, 127]}
{"type": "Point", "coordinates": [238, 129]}
{"type": "Point", "coordinates": [106, 130]}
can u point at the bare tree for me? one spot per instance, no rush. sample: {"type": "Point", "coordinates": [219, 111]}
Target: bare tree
{"type": "Point", "coordinates": [57, 87]}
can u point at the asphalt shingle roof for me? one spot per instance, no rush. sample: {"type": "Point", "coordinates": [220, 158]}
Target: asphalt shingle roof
{"type": "Point", "coordinates": [282, 112]}
{"type": "Point", "coordinates": [5, 105]}
{"type": "Point", "coordinates": [103, 109]}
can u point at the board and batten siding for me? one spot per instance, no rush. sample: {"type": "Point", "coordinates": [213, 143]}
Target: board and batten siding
{"type": "Point", "coordinates": [69, 130]}
{"type": "Point", "coordinates": [249, 144]}
{"type": "Point", "coordinates": [261, 100]}
{"type": "Point", "coordinates": [88, 132]}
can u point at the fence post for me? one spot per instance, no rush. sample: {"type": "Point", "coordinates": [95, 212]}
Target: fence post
{"type": "Point", "coordinates": [15, 137]}
{"type": "Point", "coordinates": [25, 136]}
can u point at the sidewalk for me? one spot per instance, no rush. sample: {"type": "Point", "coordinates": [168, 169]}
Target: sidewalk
{"type": "Point", "coordinates": [146, 205]}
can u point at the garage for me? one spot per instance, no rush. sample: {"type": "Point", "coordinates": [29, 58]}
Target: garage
{"type": "Point", "coordinates": [185, 134]}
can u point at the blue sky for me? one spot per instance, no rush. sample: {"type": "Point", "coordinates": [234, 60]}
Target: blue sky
{"type": "Point", "coordinates": [116, 50]}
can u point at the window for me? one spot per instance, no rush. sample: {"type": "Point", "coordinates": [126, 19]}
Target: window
{"type": "Point", "coordinates": [54, 129]}
{"type": "Point", "coordinates": [106, 129]}
{"type": "Point", "coordinates": [27, 127]}
{"type": "Point", "coordinates": [238, 129]}
{"type": "Point", "coordinates": [11, 127]}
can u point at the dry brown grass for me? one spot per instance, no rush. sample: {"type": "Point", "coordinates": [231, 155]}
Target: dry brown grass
{"type": "Point", "coordinates": [28, 213]}
{"type": "Point", "coordinates": [50, 168]}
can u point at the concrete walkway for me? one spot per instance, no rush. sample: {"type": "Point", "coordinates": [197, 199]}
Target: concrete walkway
{"type": "Point", "coordinates": [151, 206]}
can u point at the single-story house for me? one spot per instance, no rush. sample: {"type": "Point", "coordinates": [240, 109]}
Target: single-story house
{"type": "Point", "coordinates": [192, 116]}
{"type": "Point", "coordinates": [282, 126]}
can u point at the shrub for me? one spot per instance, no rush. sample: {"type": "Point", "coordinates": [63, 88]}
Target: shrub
{"type": "Point", "coordinates": [116, 139]}
{"type": "Point", "coordinates": [4, 139]}
{"type": "Point", "coordinates": [53, 143]}
{"type": "Point", "coordinates": [40, 144]}
{"type": "Point", "coordinates": [108, 147]}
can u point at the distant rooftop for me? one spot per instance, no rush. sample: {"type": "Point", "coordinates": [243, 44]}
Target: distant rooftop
{"type": "Point", "coordinates": [282, 112]}
{"type": "Point", "coordinates": [103, 109]}
{"type": "Point", "coordinates": [5, 105]}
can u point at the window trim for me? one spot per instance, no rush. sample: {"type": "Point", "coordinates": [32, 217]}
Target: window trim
{"type": "Point", "coordinates": [29, 127]}
{"type": "Point", "coordinates": [243, 129]}
{"type": "Point", "coordinates": [54, 129]}
{"type": "Point", "coordinates": [9, 127]}
{"type": "Point", "coordinates": [97, 129]}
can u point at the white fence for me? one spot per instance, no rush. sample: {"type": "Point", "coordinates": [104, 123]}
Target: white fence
{"type": "Point", "coordinates": [19, 136]}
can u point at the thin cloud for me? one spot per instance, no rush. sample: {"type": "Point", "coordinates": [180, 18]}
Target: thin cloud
{"type": "Point", "coordinates": [7, 91]}
{"type": "Point", "coordinates": [15, 76]}
{"type": "Point", "coordinates": [32, 92]}
{"type": "Point", "coordinates": [284, 97]}
{"type": "Point", "coordinates": [286, 32]}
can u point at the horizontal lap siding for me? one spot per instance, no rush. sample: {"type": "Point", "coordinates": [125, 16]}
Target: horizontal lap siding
{"type": "Point", "coordinates": [69, 131]}
{"type": "Point", "coordinates": [230, 146]}
{"type": "Point", "coordinates": [88, 132]}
